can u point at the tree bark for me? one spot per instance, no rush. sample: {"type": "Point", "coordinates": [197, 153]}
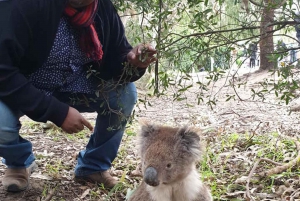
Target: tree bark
{"type": "Point", "coordinates": [266, 38]}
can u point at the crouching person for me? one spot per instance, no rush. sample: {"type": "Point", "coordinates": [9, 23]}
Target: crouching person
{"type": "Point", "coordinates": [59, 58]}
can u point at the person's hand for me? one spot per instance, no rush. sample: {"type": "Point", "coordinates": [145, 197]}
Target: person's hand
{"type": "Point", "coordinates": [75, 122]}
{"type": "Point", "coordinates": [141, 56]}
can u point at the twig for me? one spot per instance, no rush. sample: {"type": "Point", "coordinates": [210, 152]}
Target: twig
{"type": "Point", "coordinates": [248, 196]}
{"type": "Point", "coordinates": [230, 112]}
{"type": "Point", "coordinates": [285, 166]}
{"type": "Point", "coordinates": [253, 133]}
{"type": "Point", "coordinates": [270, 161]}
{"type": "Point", "coordinates": [294, 195]}
{"type": "Point", "coordinates": [50, 195]}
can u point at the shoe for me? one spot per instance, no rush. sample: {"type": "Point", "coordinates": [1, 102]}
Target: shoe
{"type": "Point", "coordinates": [100, 177]}
{"type": "Point", "coordinates": [17, 179]}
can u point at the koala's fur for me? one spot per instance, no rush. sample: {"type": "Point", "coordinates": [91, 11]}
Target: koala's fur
{"type": "Point", "coordinates": [169, 157]}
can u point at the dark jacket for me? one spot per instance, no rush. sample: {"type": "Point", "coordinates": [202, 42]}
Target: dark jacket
{"type": "Point", "coordinates": [253, 50]}
{"type": "Point", "coordinates": [27, 32]}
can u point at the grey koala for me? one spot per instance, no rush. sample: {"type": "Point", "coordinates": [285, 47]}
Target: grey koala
{"type": "Point", "coordinates": [169, 157]}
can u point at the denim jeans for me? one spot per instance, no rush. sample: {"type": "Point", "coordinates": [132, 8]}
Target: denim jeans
{"type": "Point", "coordinates": [113, 108]}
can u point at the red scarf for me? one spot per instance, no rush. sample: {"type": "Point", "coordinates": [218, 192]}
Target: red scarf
{"type": "Point", "coordinates": [84, 21]}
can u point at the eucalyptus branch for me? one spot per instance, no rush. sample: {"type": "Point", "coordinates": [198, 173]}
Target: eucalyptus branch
{"type": "Point", "coordinates": [263, 5]}
{"type": "Point", "coordinates": [257, 4]}
{"type": "Point", "coordinates": [141, 25]}
{"type": "Point", "coordinates": [158, 40]}
{"type": "Point", "coordinates": [226, 31]}
{"type": "Point", "coordinates": [130, 15]}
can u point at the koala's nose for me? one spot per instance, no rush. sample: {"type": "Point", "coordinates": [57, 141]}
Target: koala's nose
{"type": "Point", "coordinates": [150, 176]}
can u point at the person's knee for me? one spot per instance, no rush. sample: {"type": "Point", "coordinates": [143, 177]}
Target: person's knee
{"type": "Point", "coordinates": [125, 99]}
{"type": "Point", "coordinates": [130, 99]}
{"type": "Point", "coordinates": [9, 124]}
{"type": "Point", "coordinates": [131, 94]}
{"type": "Point", "coordinates": [8, 134]}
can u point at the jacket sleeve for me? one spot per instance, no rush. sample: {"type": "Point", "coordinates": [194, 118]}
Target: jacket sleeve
{"type": "Point", "coordinates": [119, 47]}
{"type": "Point", "coordinates": [15, 90]}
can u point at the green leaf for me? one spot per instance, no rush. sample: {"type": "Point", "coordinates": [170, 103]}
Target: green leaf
{"type": "Point", "coordinates": [206, 2]}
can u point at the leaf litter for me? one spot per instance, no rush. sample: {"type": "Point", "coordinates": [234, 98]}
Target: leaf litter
{"type": "Point", "coordinates": [243, 139]}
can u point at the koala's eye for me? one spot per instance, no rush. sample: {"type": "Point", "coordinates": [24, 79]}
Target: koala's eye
{"type": "Point", "coordinates": [169, 165]}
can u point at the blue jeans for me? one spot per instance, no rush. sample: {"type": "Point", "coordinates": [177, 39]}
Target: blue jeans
{"type": "Point", "coordinates": [113, 108]}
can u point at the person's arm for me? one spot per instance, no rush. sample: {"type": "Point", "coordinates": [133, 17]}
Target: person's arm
{"type": "Point", "coordinates": [15, 90]}
{"type": "Point", "coordinates": [118, 48]}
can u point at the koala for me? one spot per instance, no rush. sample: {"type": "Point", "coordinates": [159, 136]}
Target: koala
{"type": "Point", "coordinates": [168, 157]}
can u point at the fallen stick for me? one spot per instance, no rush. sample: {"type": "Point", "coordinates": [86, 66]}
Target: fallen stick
{"type": "Point", "coordinates": [248, 196]}
{"type": "Point", "coordinates": [282, 168]}
{"type": "Point", "coordinates": [278, 169]}
{"type": "Point", "coordinates": [50, 195]}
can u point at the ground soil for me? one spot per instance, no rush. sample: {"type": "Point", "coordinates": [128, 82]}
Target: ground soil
{"type": "Point", "coordinates": [56, 154]}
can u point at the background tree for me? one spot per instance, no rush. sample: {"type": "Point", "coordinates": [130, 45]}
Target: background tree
{"type": "Point", "coordinates": [192, 34]}
{"type": "Point", "coordinates": [266, 30]}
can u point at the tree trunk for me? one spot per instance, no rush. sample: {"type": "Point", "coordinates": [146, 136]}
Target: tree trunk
{"type": "Point", "coordinates": [266, 39]}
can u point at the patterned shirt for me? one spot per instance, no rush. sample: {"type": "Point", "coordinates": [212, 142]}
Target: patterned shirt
{"type": "Point", "coordinates": [63, 71]}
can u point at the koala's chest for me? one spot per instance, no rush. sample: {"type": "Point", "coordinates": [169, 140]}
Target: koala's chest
{"type": "Point", "coordinates": [171, 193]}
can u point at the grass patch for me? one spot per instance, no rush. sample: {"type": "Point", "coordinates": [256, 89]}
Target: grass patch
{"type": "Point", "coordinates": [227, 162]}
{"type": "Point", "coordinates": [230, 157]}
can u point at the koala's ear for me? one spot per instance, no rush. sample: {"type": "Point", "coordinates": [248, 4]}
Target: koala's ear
{"type": "Point", "coordinates": [190, 141]}
{"type": "Point", "coordinates": [146, 128]}
{"type": "Point", "coordinates": [146, 133]}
